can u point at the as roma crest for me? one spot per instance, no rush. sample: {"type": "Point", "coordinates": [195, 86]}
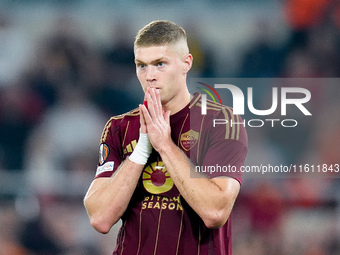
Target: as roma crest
{"type": "Point", "coordinates": [189, 139]}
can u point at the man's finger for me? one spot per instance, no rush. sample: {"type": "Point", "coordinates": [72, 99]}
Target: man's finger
{"type": "Point", "coordinates": [158, 102]}
{"type": "Point", "coordinates": [143, 128]}
{"type": "Point", "coordinates": [151, 104]}
{"type": "Point", "coordinates": [146, 116]}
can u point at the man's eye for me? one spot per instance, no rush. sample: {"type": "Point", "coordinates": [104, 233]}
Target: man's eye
{"type": "Point", "coordinates": [160, 64]}
{"type": "Point", "coordinates": [141, 66]}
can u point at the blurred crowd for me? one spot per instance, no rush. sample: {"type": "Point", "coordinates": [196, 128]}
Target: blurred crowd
{"type": "Point", "coordinates": [56, 96]}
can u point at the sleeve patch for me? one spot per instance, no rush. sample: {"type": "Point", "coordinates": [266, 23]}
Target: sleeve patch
{"type": "Point", "coordinates": [107, 167]}
{"type": "Point", "coordinates": [104, 152]}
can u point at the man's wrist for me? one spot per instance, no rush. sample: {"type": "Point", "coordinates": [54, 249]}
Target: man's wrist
{"type": "Point", "coordinates": [165, 146]}
{"type": "Point", "coordinates": [142, 150]}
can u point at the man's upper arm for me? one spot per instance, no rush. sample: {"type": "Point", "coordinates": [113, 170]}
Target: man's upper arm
{"type": "Point", "coordinates": [95, 185]}
{"type": "Point", "coordinates": [110, 154]}
{"type": "Point", "coordinates": [224, 145]}
{"type": "Point", "coordinates": [225, 159]}
{"type": "Point", "coordinates": [230, 187]}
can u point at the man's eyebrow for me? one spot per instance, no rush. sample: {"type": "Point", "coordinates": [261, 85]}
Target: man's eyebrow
{"type": "Point", "coordinates": [137, 61]}
{"type": "Point", "coordinates": [159, 60]}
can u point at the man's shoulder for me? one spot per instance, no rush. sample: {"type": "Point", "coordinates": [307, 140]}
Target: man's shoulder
{"type": "Point", "coordinates": [120, 123]}
{"type": "Point", "coordinates": [218, 118]}
{"type": "Point", "coordinates": [132, 115]}
{"type": "Point", "coordinates": [212, 108]}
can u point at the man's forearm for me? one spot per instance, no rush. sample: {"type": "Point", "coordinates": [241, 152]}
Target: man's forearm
{"type": "Point", "coordinates": [108, 198]}
{"type": "Point", "coordinates": [211, 199]}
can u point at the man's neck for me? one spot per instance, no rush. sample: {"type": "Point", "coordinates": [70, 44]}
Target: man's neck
{"type": "Point", "coordinates": [178, 103]}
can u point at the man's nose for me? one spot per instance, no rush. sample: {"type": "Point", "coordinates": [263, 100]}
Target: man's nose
{"type": "Point", "coordinates": [151, 74]}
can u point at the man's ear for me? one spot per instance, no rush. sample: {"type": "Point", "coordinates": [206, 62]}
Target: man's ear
{"type": "Point", "coordinates": [187, 62]}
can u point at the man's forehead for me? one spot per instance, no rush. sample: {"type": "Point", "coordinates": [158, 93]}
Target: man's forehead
{"type": "Point", "coordinates": [152, 53]}
{"type": "Point", "coordinates": [178, 49]}
{"type": "Point", "coordinates": [151, 48]}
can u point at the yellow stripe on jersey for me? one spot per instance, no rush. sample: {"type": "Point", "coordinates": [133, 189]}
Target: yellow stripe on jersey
{"type": "Point", "coordinates": [108, 124]}
{"type": "Point", "coordinates": [128, 148]}
{"type": "Point", "coordinates": [213, 105]}
{"type": "Point", "coordinates": [179, 137]}
{"type": "Point", "coordinates": [234, 124]}
{"type": "Point", "coordinates": [199, 138]}
{"type": "Point", "coordinates": [227, 131]}
{"type": "Point", "coordinates": [140, 230]}
{"type": "Point", "coordinates": [134, 112]}
{"type": "Point", "coordinates": [158, 226]}
{"type": "Point", "coordinates": [123, 227]}
{"type": "Point", "coordinates": [134, 143]}
{"type": "Point", "coordinates": [179, 232]}
{"type": "Point", "coordinates": [127, 127]}
{"type": "Point", "coordinates": [238, 127]}
{"type": "Point", "coordinates": [232, 129]}
{"type": "Point", "coordinates": [193, 103]}
{"type": "Point", "coordinates": [106, 130]}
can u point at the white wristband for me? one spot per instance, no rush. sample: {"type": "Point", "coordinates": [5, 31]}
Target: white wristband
{"type": "Point", "coordinates": [142, 150]}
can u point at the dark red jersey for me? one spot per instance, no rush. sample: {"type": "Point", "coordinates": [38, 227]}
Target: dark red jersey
{"type": "Point", "coordinates": [158, 220]}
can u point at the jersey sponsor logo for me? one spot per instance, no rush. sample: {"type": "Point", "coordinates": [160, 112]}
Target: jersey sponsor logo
{"type": "Point", "coordinates": [189, 139]}
{"type": "Point", "coordinates": [162, 203]}
{"type": "Point", "coordinates": [156, 179]}
{"type": "Point", "coordinates": [104, 152]}
{"type": "Point", "coordinates": [108, 166]}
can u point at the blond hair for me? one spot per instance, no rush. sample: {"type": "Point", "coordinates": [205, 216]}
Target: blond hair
{"type": "Point", "coordinates": [160, 32]}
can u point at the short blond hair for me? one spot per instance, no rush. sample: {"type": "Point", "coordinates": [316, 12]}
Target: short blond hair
{"type": "Point", "coordinates": [160, 32]}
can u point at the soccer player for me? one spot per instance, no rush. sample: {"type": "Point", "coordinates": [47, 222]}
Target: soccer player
{"type": "Point", "coordinates": [146, 175]}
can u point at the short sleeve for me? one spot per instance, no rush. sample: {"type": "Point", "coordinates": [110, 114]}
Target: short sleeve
{"type": "Point", "coordinates": [227, 147]}
{"type": "Point", "coordinates": [110, 150]}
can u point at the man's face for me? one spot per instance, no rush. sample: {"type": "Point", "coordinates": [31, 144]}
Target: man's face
{"type": "Point", "coordinates": [162, 67]}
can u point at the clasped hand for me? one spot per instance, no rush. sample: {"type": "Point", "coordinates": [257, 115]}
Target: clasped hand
{"type": "Point", "coordinates": [154, 120]}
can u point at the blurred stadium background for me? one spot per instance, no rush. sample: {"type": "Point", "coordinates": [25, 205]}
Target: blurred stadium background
{"type": "Point", "coordinates": [66, 66]}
